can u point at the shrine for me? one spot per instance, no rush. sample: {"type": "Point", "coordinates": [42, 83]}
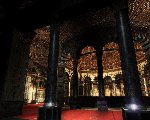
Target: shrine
{"type": "Point", "coordinates": [75, 55]}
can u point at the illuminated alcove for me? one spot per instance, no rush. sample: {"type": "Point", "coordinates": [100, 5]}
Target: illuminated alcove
{"type": "Point", "coordinates": [112, 72]}
{"type": "Point", "coordinates": [87, 66]}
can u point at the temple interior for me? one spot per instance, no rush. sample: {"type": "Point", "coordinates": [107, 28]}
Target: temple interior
{"type": "Point", "coordinates": [87, 74]}
{"type": "Point", "coordinates": [75, 54]}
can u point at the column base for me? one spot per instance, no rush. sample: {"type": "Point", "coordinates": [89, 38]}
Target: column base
{"type": "Point", "coordinates": [49, 113]}
{"type": "Point", "coordinates": [75, 103]}
{"type": "Point", "coordinates": [75, 106]}
{"type": "Point", "coordinates": [10, 108]}
{"type": "Point", "coordinates": [134, 107]}
{"type": "Point", "coordinates": [135, 114]}
{"type": "Point", "coordinates": [102, 105]}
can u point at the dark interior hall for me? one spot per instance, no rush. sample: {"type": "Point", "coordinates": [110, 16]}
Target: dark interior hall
{"type": "Point", "coordinates": [75, 54]}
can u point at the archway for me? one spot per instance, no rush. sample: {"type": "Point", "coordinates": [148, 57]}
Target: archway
{"type": "Point", "coordinates": [107, 50]}
{"type": "Point", "coordinates": [87, 70]}
{"type": "Point", "coordinates": [112, 67]}
{"type": "Point", "coordinates": [141, 63]}
{"type": "Point", "coordinates": [69, 70]}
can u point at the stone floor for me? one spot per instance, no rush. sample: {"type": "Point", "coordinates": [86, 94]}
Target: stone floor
{"type": "Point", "coordinates": [30, 112]}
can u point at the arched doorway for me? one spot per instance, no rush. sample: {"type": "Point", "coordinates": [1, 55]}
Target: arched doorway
{"type": "Point", "coordinates": [141, 63]}
{"type": "Point", "coordinates": [87, 65]}
{"type": "Point", "coordinates": [69, 71]}
{"type": "Point", "coordinates": [112, 68]}
{"type": "Point", "coordinates": [87, 70]}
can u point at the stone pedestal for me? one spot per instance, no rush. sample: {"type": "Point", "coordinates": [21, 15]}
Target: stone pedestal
{"type": "Point", "coordinates": [11, 108]}
{"type": "Point", "coordinates": [74, 103]}
{"type": "Point", "coordinates": [102, 105]}
{"type": "Point", "coordinates": [136, 114]}
{"type": "Point", "coordinates": [49, 113]}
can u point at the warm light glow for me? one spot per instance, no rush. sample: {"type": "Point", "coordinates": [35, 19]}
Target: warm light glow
{"type": "Point", "coordinates": [111, 58]}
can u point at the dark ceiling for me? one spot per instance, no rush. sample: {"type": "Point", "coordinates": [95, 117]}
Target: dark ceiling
{"type": "Point", "coordinates": [32, 14]}
{"type": "Point", "coordinates": [78, 15]}
{"type": "Point", "coordinates": [28, 14]}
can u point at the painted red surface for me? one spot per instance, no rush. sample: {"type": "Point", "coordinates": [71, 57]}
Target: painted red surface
{"type": "Point", "coordinates": [30, 113]}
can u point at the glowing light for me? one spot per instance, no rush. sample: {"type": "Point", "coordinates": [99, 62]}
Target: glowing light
{"type": "Point", "coordinates": [50, 104]}
{"type": "Point", "coordinates": [133, 107]}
